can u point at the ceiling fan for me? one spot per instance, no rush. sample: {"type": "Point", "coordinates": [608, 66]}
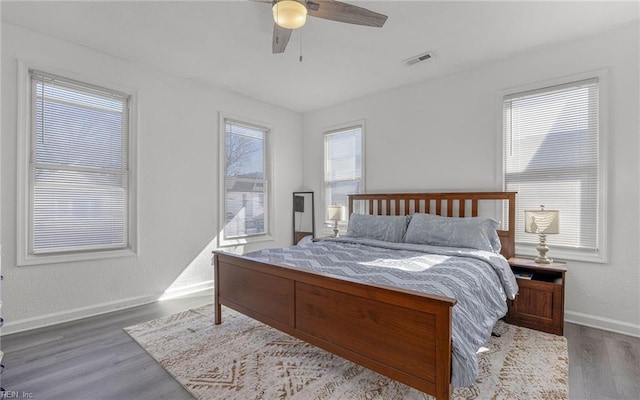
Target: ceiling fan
{"type": "Point", "coordinates": [292, 14]}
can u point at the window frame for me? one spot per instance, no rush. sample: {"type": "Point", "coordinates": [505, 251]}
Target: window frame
{"type": "Point", "coordinates": [24, 217]}
{"type": "Point", "coordinates": [327, 226]}
{"type": "Point", "coordinates": [565, 253]}
{"type": "Point", "coordinates": [269, 223]}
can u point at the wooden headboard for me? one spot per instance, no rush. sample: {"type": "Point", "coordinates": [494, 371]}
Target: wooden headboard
{"type": "Point", "coordinates": [461, 204]}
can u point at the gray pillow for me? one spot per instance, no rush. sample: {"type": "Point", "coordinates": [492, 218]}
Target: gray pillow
{"type": "Point", "coordinates": [474, 232]}
{"type": "Point", "coordinates": [389, 228]}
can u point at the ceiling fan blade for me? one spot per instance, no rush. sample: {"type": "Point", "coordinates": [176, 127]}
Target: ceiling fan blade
{"type": "Point", "coordinates": [343, 12]}
{"type": "Point", "coordinates": [280, 38]}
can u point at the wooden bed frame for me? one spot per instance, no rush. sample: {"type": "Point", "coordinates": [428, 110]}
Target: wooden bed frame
{"type": "Point", "coordinates": [399, 333]}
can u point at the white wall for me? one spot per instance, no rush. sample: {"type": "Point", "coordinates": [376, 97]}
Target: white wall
{"type": "Point", "coordinates": [411, 134]}
{"type": "Point", "coordinates": [177, 193]}
{"type": "Point", "coordinates": [445, 134]}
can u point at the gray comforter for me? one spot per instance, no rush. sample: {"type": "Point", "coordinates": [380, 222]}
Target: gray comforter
{"type": "Point", "coordinates": [480, 281]}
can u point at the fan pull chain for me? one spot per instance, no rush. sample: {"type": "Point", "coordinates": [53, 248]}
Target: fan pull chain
{"type": "Point", "coordinates": [300, 45]}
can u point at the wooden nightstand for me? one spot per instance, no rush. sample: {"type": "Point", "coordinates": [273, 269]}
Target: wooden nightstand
{"type": "Point", "coordinates": [540, 302]}
{"type": "Point", "coordinates": [301, 235]}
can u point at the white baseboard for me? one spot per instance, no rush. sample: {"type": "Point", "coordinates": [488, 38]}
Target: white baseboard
{"type": "Point", "coordinates": [91, 311]}
{"type": "Point", "coordinates": [75, 314]}
{"type": "Point", "coordinates": [606, 324]}
{"type": "Point", "coordinates": [186, 290]}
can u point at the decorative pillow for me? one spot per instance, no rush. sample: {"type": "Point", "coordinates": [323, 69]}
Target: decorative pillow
{"type": "Point", "coordinates": [390, 228]}
{"type": "Point", "coordinates": [474, 232]}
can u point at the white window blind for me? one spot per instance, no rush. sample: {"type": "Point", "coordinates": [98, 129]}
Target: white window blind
{"type": "Point", "coordinates": [245, 180]}
{"type": "Point", "coordinates": [551, 158]}
{"type": "Point", "coordinates": [78, 168]}
{"type": "Point", "coordinates": [343, 173]}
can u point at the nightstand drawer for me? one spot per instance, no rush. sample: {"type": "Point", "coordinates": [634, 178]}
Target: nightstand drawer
{"type": "Point", "coordinates": [538, 306]}
{"type": "Point", "coordinates": [540, 301]}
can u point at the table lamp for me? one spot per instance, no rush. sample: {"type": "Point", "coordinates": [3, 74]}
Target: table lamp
{"type": "Point", "coordinates": [335, 213]}
{"type": "Point", "coordinates": [543, 222]}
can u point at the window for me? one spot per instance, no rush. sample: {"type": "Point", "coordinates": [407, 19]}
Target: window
{"type": "Point", "coordinates": [246, 182]}
{"type": "Point", "coordinates": [343, 164]}
{"type": "Point", "coordinates": [551, 158]}
{"type": "Point", "coordinates": [76, 177]}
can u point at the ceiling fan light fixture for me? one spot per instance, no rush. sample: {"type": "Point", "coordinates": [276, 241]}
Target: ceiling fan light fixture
{"type": "Point", "coordinates": [289, 14]}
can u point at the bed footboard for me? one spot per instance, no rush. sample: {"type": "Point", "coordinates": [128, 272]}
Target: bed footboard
{"type": "Point", "coordinates": [402, 334]}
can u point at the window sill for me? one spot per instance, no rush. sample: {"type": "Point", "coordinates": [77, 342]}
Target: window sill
{"type": "Point", "coordinates": [245, 240]}
{"type": "Point", "coordinates": [32, 259]}
{"type": "Point", "coordinates": [557, 253]}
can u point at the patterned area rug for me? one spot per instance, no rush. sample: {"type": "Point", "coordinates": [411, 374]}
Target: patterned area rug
{"type": "Point", "coordinates": [244, 359]}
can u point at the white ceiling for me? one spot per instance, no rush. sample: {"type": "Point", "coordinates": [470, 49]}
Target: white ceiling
{"type": "Point", "coordinates": [228, 43]}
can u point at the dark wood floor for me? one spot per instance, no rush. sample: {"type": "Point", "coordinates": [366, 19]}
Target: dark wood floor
{"type": "Point", "coordinates": [602, 365]}
{"type": "Point", "coordinates": [94, 359]}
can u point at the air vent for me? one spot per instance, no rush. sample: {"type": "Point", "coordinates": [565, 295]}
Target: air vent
{"type": "Point", "coordinates": [419, 58]}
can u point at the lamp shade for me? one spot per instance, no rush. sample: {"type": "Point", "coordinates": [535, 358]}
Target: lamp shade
{"type": "Point", "coordinates": [542, 221]}
{"type": "Point", "coordinates": [289, 14]}
{"type": "Point", "coordinates": [336, 213]}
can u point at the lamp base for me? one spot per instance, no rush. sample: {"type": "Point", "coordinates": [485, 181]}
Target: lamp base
{"type": "Point", "coordinates": [543, 249]}
{"type": "Point", "coordinates": [336, 231]}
